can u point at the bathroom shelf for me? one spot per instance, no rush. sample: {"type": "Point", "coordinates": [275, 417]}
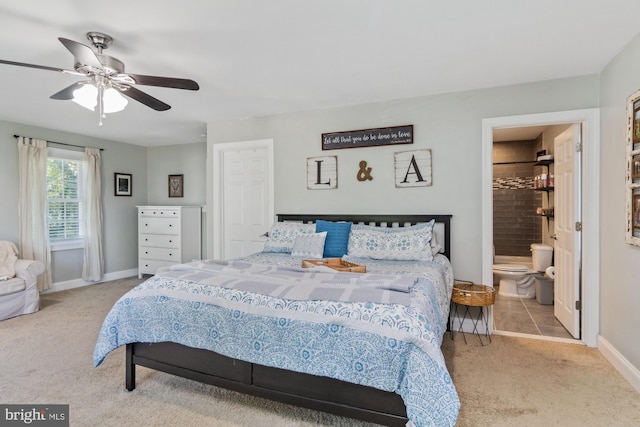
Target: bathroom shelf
{"type": "Point", "coordinates": [546, 162]}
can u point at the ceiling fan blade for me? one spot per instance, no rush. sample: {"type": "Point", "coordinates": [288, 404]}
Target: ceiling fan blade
{"type": "Point", "coordinates": [169, 82]}
{"type": "Point", "coordinates": [142, 97]}
{"type": "Point", "coordinates": [67, 93]}
{"type": "Point", "coordinates": [82, 53]}
{"type": "Point", "coordinates": [41, 67]}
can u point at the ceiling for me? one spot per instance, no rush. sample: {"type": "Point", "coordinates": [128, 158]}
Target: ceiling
{"type": "Point", "coordinates": [255, 58]}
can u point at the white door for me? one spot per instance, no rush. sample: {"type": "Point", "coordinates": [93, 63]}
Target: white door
{"type": "Point", "coordinates": [244, 203]}
{"type": "Point", "coordinates": [567, 218]}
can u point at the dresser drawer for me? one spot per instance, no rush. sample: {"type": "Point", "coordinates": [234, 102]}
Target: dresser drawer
{"type": "Point", "coordinates": [159, 213]}
{"type": "Point", "coordinates": [159, 240]}
{"type": "Point", "coordinates": [160, 254]}
{"type": "Point", "coordinates": [159, 226]}
{"type": "Point", "coordinates": [150, 266]}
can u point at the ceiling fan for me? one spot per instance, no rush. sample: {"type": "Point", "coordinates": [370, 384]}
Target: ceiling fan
{"type": "Point", "coordinates": [107, 78]}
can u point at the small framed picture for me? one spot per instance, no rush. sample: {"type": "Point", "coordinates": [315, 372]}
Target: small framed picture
{"type": "Point", "coordinates": [635, 167]}
{"type": "Point", "coordinates": [176, 185]}
{"type": "Point", "coordinates": [636, 211]}
{"type": "Point", "coordinates": [636, 122]}
{"type": "Point", "coordinates": [123, 184]}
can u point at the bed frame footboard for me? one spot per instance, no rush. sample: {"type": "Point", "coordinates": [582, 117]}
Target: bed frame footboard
{"type": "Point", "coordinates": [309, 391]}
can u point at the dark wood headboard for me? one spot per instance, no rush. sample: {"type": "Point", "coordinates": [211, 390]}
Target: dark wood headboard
{"type": "Point", "coordinates": [380, 220]}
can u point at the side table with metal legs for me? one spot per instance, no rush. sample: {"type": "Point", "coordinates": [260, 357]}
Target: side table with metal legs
{"type": "Point", "coordinates": [463, 297]}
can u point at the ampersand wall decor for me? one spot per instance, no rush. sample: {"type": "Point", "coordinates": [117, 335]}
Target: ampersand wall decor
{"type": "Point", "coordinates": [364, 174]}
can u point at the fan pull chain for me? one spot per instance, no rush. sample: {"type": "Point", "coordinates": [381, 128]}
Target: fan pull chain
{"type": "Point", "coordinates": [101, 104]}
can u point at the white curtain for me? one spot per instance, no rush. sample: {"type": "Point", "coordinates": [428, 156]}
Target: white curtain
{"type": "Point", "coordinates": [32, 205]}
{"type": "Point", "coordinates": [93, 265]}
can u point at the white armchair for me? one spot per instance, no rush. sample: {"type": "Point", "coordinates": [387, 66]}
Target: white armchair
{"type": "Point", "coordinates": [19, 295]}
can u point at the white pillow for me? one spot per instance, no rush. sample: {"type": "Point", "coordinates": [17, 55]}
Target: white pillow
{"type": "Point", "coordinates": [309, 246]}
{"type": "Point", "coordinates": [282, 235]}
{"type": "Point", "coordinates": [436, 248]}
{"type": "Point", "coordinates": [392, 243]}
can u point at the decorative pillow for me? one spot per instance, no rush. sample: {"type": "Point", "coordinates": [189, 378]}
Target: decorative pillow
{"type": "Point", "coordinates": [436, 248]}
{"type": "Point", "coordinates": [336, 244]}
{"type": "Point", "coordinates": [8, 258]}
{"type": "Point", "coordinates": [392, 243]}
{"type": "Point", "coordinates": [282, 235]}
{"type": "Point", "coordinates": [309, 246]}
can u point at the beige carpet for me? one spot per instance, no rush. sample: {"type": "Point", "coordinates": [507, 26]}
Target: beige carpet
{"type": "Point", "coordinates": [46, 358]}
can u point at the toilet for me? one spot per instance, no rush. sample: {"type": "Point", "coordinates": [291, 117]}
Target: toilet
{"type": "Point", "coordinates": [517, 280]}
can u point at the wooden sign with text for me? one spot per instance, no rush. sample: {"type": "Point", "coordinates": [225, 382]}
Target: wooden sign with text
{"type": "Point", "coordinates": [368, 137]}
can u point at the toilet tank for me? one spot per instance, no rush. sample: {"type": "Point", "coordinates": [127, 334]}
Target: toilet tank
{"type": "Point", "coordinates": [541, 256]}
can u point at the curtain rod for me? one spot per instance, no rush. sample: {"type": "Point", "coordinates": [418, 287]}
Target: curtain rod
{"type": "Point", "coordinates": [64, 143]}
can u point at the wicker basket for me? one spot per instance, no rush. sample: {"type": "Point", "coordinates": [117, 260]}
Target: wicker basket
{"type": "Point", "coordinates": [335, 263]}
{"type": "Point", "coordinates": [473, 295]}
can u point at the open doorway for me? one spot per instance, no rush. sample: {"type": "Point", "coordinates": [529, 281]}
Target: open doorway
{"type": "Point", "coordinates": [589, 245]}
{"type": "Point", "coordinates": [524, 231]}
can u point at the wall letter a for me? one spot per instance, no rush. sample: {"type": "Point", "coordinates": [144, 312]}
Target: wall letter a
{"type": "Point", "coordinates": [413, 164]}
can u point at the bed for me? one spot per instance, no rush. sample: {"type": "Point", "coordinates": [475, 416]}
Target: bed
{"type": "Point", "coordinates": [374, 356]}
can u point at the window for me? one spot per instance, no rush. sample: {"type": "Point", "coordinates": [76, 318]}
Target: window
{"type": "Point", "coordinates": [65, 179]}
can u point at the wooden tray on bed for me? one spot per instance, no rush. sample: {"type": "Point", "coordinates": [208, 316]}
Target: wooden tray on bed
{"type": "Point", "coordinates": [335, 263]}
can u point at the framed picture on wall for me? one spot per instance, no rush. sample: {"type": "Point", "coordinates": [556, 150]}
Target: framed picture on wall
{"type": "Point", "coordinates": [123, 185]}
{"type": "Point", "coordinates": [176, 185]}
{"type": "Point", "coordinates": [636, 122]}
{"type": "Point", "coordinates": [635, 167]}
{"type": "Point", "coordinates": [632, 174]}
{"type": "Point", "coordinates": [636, 211]}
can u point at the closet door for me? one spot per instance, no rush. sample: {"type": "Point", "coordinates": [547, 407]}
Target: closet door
{"type": "Point", "coordinates": [243, 204]}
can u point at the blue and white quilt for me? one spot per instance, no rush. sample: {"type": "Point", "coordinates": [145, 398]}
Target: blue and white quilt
{"type": "Point", "coordinates": [268, 310]}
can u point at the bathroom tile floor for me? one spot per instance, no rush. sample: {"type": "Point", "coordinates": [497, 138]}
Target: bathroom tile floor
{"type": "Point", "coordinates": [526, 316]}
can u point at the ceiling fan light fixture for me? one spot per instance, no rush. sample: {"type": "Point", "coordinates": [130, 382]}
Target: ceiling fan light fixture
{"type": "Point", "coordinates": [113, 101]}
{"type": "Point", "coordinates": [86, 96]}
{"type": "Point", "coordinates": [108, 81]}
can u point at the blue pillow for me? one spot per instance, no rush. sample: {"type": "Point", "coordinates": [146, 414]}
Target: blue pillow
{"type": "Point", "coordinates": [337, 241]}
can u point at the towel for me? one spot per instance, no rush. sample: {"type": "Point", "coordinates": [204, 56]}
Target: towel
{"type": "Point", "coordinates": [8, 258]}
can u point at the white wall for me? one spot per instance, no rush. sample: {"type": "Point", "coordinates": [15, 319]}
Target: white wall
{"type": "Point", "coordinates": [620, 262]}
{"type": "Point", "coordinates": [450, 125]}
{"type": "Point", "coordinates": [188, 160]}
{"type": "Point", "coordinates": [120, 221]}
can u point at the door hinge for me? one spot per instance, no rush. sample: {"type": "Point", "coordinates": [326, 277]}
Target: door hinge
{"type": "Point", "coordinates": [579, 147]}
{"type": "Point", "coordinates": [579, 305]}
{"type": "Point", "coordinates": [578, 226]}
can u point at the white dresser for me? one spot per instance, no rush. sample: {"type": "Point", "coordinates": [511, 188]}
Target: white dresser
{"type": "Point", "coordinates": [167, 235]}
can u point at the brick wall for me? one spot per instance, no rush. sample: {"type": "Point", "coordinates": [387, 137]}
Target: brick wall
{"type": "Point", "coordinates": [515, 224]}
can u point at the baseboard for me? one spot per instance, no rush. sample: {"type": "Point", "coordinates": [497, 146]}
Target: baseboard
{"type": "Point", "coordinates": [626, 369]}
{"type": "Point", "coordinates": [78, 283]}
{"type": "Point", "coordinates": [538, 337]}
